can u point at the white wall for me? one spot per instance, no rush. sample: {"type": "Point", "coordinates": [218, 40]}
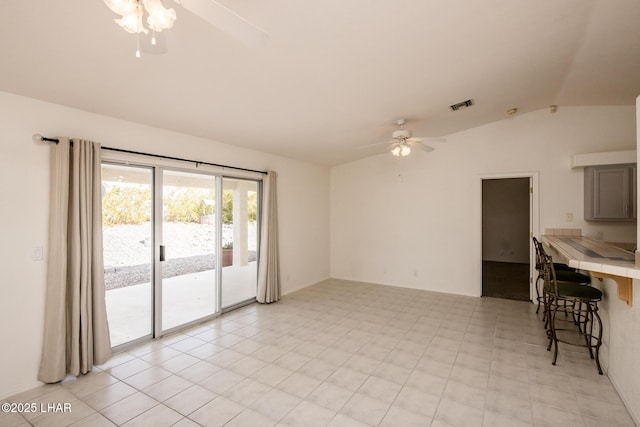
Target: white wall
{"type": "Point", "coordinates": [423, 230]}
{"type": "Point", "coordinates": [622, 332]}
{"type": "Point", "coordinates": [621, 343]}
{"type": "Point", "coordinates": [303, 201]}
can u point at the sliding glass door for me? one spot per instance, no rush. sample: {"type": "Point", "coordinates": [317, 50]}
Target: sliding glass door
{"type": "Point", "coordinates": [127, 216]}
{"type": "Point", "coordinates": [240, 241]}
{"type": "Point", "coordinates": [179, 247]}
{"type": "Point", "coordinates": [188, 252]}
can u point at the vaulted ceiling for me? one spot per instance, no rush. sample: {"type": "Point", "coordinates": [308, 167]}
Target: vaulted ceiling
{"type": "Point", "coordinates": [334, 74]}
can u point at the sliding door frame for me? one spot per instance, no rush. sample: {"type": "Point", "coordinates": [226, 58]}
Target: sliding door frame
{"type": "Point", "coordinates": [159, 229]}
{"type": "Point", "coordinates": [149, 336]}
{"type": "Point", "coordinates": [157, 168]}
{"type": "Point", "coordinates": [156, 283]}
{"type": "Point", "coordinates": [259, 184]}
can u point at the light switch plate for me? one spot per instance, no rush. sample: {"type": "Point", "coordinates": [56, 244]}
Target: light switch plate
{"type": "Point", "coordinates": [37, 253]}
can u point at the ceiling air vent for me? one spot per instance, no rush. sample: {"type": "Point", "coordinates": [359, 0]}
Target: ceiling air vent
{"type": "Point", "coordinates": [461, 105]}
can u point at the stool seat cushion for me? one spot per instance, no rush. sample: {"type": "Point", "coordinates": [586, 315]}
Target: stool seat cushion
{"type": "Point", "coordinates": [565, 267]}
{"type": "Point", "coordinates": [573, 290]}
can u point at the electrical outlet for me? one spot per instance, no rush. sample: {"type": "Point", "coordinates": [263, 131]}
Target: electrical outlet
{"type": "Point", "coordinates": [569, 216]}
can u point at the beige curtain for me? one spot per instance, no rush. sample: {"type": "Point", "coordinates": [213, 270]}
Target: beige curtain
{"type": "Point", "coordinates": [76, 334]}
{"type": "Point", "coordinates": [269, 264]}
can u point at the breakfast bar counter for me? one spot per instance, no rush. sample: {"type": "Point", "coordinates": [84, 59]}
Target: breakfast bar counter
{"type": "Point", "coordinates": [602, 260]}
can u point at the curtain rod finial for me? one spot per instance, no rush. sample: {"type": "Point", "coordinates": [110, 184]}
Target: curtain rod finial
{"type": "Point", "coordinates": [37, 137]}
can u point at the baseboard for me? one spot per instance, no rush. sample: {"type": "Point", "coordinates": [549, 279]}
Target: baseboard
{"type": "Point", "coordinates": [305, 285]}
{"type": "Point", "coordinates": [395, 285]}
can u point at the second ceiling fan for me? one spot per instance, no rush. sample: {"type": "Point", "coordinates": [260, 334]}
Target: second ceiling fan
{"type": "Point", "coordinates": [402, 141]}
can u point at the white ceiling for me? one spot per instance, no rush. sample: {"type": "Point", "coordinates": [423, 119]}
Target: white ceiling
{"type": "Point", "coordinates": [335, 74]}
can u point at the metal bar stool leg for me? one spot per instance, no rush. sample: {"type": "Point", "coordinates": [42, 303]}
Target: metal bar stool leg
{"type": "Point", "coordinates": [552, 323]}
{"type": "Point", "coordinates": [538, 297]}
{"type": "Point", "coordinates": [588, 331]}
{"type": "Point", "coordinates": [595, 316]}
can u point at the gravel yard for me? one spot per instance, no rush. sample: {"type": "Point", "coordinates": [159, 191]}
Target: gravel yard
{"type": "Point", "coordinates": [189, 249]}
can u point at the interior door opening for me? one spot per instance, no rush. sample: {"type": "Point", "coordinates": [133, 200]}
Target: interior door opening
{"type": "Point", "coordinates": [506, 230]}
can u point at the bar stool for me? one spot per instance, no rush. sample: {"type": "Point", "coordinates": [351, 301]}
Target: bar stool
{"type": "Point", "coordinates": [564, 273]}
{"type": "Point", "coordinates": [582, 302]}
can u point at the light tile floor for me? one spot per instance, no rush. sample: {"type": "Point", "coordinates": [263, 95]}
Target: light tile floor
{"type": "Point", "coordinates": [344, 354]}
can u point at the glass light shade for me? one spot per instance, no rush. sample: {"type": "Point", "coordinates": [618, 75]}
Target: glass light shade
{"type": "Point", "coordinates": [121, 7]}
{"type": "Point", "coordinates": [132, 23]}
{"type": "Point", "coordinates": [405, 150]}
{"type": "Point", "coordinates": [159, 18]}
{"type": "Point", "coordinates": [395, 150]}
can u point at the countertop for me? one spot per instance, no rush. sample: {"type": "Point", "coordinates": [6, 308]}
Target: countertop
{"type": "Point", "coordinates": [592, 255]}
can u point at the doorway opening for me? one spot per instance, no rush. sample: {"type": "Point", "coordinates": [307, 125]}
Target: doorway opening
{"type": "Point", "coordinates": [506, 231]}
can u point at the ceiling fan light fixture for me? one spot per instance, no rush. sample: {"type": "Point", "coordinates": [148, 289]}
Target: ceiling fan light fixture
{"type": "Point", "coordinates": [401, 150]}
{"type": "Point", "coordinates": [160, 18]}
{"type": "Point", "coordinates": [132, 22]}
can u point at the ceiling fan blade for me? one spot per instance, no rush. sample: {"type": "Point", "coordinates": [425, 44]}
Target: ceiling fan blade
{"type": "Point", "coordinates": [148, 47]}
{"type": "Point", "coordinates": [375, 144]}
{"type": "Point", "coordinates": [429, 138]}
{"type": "Point", "coordinates": [425, 147]}
{"type": "Point", "coordinates": [227, 21]}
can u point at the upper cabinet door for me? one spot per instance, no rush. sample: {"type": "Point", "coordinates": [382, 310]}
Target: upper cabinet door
{"type": "Point", "coordinates": [610, 192]}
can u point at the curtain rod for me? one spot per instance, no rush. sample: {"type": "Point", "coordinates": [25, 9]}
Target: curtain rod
{"type": "Point", "coordinates": [40, 138]}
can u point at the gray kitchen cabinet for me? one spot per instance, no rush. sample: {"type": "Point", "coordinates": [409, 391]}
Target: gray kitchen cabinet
{"type": "Point", "coordinates": [610, 193]}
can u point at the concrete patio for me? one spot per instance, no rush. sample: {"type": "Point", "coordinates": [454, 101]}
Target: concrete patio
{"type": "Point", "coordinates": [185, 298]}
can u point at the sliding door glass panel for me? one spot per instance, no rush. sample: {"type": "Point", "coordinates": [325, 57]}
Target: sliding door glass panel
{"type": "Point", "coordinates": [128, 251]}
{"type": "Point", "coordinates": [189, 240]}
{"type": "Point", "coordinates": [239, 240]}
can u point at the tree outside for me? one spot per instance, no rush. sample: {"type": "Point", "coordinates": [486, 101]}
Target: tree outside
{"type": "Point", "coordinates": [130, 204]}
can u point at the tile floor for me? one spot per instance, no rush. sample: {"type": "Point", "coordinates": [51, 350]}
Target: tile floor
{"type": "Point", "coordinates": [344, 354]}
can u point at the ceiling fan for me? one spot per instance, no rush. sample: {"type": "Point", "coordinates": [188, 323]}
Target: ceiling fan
{"type": "Point", "coordinates": [159, 18]}
{"type": "Point", "coordinates": [402, 140]}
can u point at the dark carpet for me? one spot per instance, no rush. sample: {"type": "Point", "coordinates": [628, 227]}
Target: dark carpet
{"type": "Point", "coordinates": [505, 280]}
